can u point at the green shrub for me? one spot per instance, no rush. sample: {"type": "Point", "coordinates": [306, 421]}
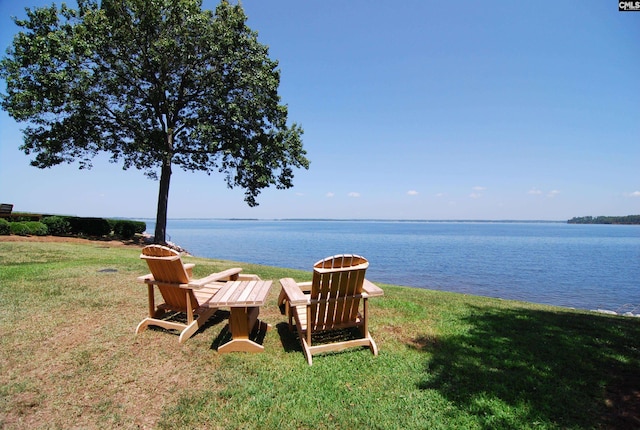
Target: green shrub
{"type": "Point", "coordinates": [89, 226]}
{"type": "Point", "coordinates": [57, 225]}
{"type": "Point", "coordinates": [37, 228]}
{"type": "Point", "coordinates": [112, 224]}
{"type": "Point", "coordinates": [25, 216]}
{"type": "Point", "coordinates": [78, 226]}
{"type": "Point", "coordinates": [141, 226]}
{"type": "Point", "coordinates": [26, 228]}
{"type": "Point", "coordinates": [5, 227]}
{"type": "Point", "coordinates": [19, 228]}
{"type": "Point", "coordinates": [124, 229]}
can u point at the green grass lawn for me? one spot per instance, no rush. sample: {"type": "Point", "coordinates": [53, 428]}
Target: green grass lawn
{"type": "Point", "coordinates": [69, 358]}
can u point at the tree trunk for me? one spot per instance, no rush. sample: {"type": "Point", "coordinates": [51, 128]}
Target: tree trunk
{"type": "Point", "coordinates": [163, 203]}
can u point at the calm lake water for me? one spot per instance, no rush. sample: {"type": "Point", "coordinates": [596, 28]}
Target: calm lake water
{"type": "Point", "coordinates": [580, 266]}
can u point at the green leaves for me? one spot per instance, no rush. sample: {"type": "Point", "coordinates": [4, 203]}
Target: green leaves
{"type": "Point", "coordinates": [117, 77]}
{"type": "Point", "coordinates": [153, 83]}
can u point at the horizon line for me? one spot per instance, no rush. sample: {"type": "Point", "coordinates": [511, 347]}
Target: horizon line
{"type": "Point", "coordinates": [361, 219]}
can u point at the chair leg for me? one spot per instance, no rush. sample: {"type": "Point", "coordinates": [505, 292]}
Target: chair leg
{"type": "Point", "coordinates": [195, 325]}
{"type": "Point", "coordinates": [186, 331]}
{"type": "Point", "coordinates": [306, 348]}
{"type": "Point", "coordinates": [290, 322]}
{"type": "Point", "coordinates": [169, 325]}
{"type": "Point", "coordinates": [151, 301]}
{"type": "Point", "coordinates": [143, 325]}
{"type": "Point", "coordinates": [282, 302]}
{"type": "Point", "coordinates": [372, 345]}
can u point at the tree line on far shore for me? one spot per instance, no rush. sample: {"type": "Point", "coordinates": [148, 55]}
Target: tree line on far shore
{"type": "Point", "coordinates": [628, 219]}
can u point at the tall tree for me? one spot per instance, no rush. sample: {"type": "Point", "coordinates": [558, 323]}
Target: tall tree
{"type": "Point", "coordinates": [156, 84]}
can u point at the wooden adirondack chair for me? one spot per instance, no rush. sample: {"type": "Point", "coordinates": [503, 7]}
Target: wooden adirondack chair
{"type": "Point", "coordinates": [180, 292]}
{"type": "Point", "coordinates": [332, 301]}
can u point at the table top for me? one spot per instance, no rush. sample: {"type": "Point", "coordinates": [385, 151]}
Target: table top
{"type": "Point", "coordinates": [241, 293]}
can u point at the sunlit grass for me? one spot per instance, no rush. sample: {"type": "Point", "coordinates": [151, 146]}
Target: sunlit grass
{"type": "Point", "coordinates": [69, 358]}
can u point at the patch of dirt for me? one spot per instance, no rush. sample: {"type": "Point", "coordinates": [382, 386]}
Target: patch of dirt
{"type": "Point", "coordinates": [138, 242]}
{"type": "Point", "coordinates": [84, 367]}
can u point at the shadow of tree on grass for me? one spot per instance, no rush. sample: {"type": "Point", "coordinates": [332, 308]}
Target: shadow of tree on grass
{"type": "Point", "coordinates": [556, 369]}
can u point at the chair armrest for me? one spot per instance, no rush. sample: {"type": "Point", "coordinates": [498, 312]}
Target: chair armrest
{"type": "Point", "coordinates": [305, 287]}
{"type": "Point", "coordinates": [145, 278]}
{"type": "Point", "coordinates": [150, 280]}
{"type": "Point", "coordinates": [219, 276]}
{"type": "Point", "coordinates": [188, 267]}
{"type": "Point", "coordinates": [295, 295]}
{"type": "Point", "coordinates": [371, 289]}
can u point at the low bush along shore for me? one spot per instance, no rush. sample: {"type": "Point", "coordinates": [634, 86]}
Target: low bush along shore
{"type": "Point", "coordinates": [70, 358]}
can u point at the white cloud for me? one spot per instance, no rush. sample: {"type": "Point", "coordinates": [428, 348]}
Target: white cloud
{"type": "Point", "coordinates": [412, 193]}
{"type": "Point", "coordinates": [635, 194]}
{"type": "Point", "coordinates": [353, 194]}
{"type": "Point", "coordinates": [330, 194]}
{"type": "Point", "coordinates": [551, 194]}
{"type": "Point", "coordinates": [535, 191]}
{"type": "Point", "coordinates": [440, 195]}
{"type": "Point", "coordinates": [477, 192]}
{"type": "Point", "coordinates": [300, 194]}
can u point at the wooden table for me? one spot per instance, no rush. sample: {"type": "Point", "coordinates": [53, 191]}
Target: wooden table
{"type": "Point", "coordinates": [244, 298]}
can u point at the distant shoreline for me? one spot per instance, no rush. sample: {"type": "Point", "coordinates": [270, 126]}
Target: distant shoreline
{"type": "Point", "coordinates": [614, 220]}
{"type": "Point", "coordinates": [506, 221]}
{"type": "Point", "coordinates": [623, 220]}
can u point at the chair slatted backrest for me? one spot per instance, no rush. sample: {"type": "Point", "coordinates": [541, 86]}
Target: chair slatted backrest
{"type": "Point", "coordinates": [166, 267]}
{"type": "Point", "coordinates": [336, 291]}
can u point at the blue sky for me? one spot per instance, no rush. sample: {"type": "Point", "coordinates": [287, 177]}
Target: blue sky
{"type": "Point", "coordinates": [419, 109]}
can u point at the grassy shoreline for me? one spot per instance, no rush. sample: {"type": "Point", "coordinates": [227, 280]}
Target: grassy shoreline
{"type": "Point", "coordinates": [70, 358]}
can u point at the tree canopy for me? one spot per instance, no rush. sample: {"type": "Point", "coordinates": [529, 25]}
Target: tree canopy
{"type": "Point", "coordinates": [155, 84]}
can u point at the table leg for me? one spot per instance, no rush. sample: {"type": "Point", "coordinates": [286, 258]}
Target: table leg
{"type": "Point", "coordinates": [241, 322]}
